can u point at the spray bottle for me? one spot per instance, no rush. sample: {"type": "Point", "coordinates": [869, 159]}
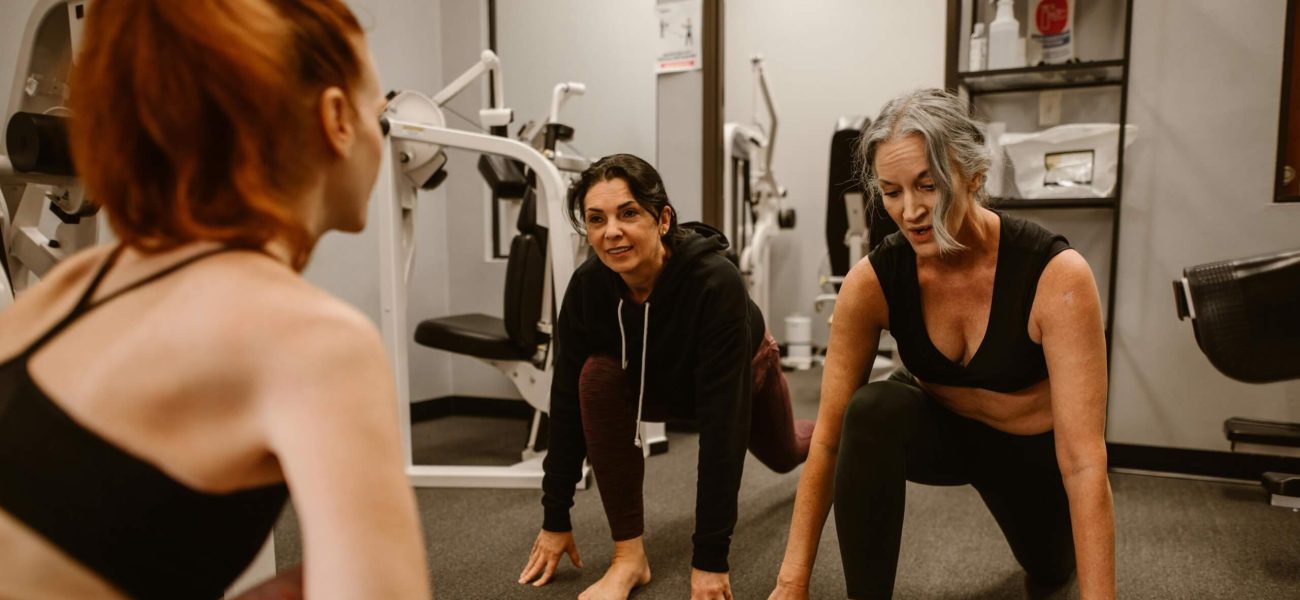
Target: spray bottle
{"type": "Point", "coordinates": [1004, 35]}
{"type": "Point", "coordinates": [979, 49]}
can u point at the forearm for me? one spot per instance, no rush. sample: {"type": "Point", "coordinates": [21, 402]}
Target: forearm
{"type": "Point", "coordinates": [1092, 517]}
{"type": "Point", "coordinates": [720, 468]}
{"type": "Point", "coordinates": [723, 405]}
{"type": "Point", "coordinates": [562, 466]}
{"type": "Point", "coordinates": [812, 503]}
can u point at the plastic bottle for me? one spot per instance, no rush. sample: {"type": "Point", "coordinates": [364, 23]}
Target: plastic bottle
{"type": "Point", "coordinates": [979, 49]}
{"type": "Point", "coordinates": [1051, 35]}
{"type": "Point", "coordinates": [1004, 35]}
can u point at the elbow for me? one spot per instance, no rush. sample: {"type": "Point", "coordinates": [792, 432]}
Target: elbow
{"type": "Point", "coordinates": [823, 446]}
{"type": "Point", "coordinates": [1081, 470]}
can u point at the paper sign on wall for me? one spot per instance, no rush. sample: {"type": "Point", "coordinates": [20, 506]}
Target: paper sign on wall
{"type": "Point", "coordinates": [679, 36]}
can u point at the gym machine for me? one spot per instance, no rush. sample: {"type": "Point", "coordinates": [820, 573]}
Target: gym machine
{"type": "Point", "coordinates": [854, 226]}
{"type": "Point", "coordinates": [44, 213]}
{"type": "Point", "coordinates": [1246, 317]}
{"type": "Point", "coordinates": [539, 267]}
{"type": "Point", "coordinates": [753, 212]}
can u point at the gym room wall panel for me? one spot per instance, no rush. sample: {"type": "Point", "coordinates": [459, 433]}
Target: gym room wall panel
{"type": "Point", "coordinates": [1205, 93]}
{"type": "Point", "coordinates": [609, 47]}
{"type": "Point", "coordinates": [823, 60]}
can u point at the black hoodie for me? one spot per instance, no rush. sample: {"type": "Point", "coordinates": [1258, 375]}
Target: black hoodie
{"type": "Point", "coordinates": [703, 334]}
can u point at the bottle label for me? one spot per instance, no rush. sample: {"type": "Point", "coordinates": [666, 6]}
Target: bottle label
{"type": "Point", "coordinates": [1053, 17]}
{"type": "Point", "coordinates": [1052, 35]}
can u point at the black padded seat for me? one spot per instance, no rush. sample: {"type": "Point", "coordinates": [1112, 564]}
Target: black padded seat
{"type": "Point", "coordinates": [515, 337]}
{"type": "Point", "coordinates": [474, 335]}
{"type": "Point", "coordinates": [1270, 433]}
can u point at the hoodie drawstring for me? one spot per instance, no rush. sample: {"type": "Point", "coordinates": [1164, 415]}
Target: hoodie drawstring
{"type": "Point", "coordinates": [645, 335]}
{"type": "Point", "coordinates": [622, 336]}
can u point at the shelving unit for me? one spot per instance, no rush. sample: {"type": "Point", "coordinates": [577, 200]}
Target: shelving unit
{"type": "Point", "coordinates": [1045, 77]}
{"type": "Point", "coordinates": [1110, 75]}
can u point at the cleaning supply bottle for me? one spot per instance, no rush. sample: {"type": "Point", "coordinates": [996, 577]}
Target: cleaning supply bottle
{"type": "Point", "coordinates": [1004, 35]}
{"type": "Point", "coordinates": [1051, 39]}
{"type": "Point", "coordinates": [979, 49]}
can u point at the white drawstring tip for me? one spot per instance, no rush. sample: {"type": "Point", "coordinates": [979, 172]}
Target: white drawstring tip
{"type": "Point", "coordinates": [637, 442]}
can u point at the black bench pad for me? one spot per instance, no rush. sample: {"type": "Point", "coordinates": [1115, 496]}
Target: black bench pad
{"type": "Point", "coordinates": [474, 335]}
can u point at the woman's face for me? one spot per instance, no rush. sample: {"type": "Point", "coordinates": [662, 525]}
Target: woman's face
{"type": "Point", "coordinates": [908, 192]}
{"type": "Point", "coordinates": [626, 236]}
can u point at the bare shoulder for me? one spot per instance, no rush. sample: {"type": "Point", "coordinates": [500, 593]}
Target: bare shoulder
{"type": "Point", "coordinates": [1066, 298]}
{"type": "Point", "coordinates": [281, 324]}
{"type": "Point", "coordinates": [71, 272]}
{"type": "Point", "coordinates": [54, 295]}
{"type": "Point", "coordinates": [1066, 280]}
{"type": "Point", "coordinates": [861, 296]}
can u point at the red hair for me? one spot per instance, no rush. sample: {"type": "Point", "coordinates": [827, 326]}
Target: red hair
{"type": "Point", "coordinates": [198, 120]}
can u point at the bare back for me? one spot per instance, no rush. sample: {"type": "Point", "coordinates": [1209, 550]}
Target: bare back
{"type": "Point", "coordinates": [176, 373]}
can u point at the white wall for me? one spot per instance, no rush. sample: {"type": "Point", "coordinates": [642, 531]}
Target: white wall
{"type": "Point", "coordinates": [823, 60]}
{"type": "Point", "coordinates": [609, 46]}
{"type": "Point", "coordinates": [1198, 186]}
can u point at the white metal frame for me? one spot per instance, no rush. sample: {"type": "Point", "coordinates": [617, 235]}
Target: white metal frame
{"type": "Point", "coordinates": [397, 199]}
{"type": "Point", "coordinates": [855, 238]}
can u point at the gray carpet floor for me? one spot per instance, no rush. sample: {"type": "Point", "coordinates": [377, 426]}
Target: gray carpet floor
{"type": "Point", "coordinates": [1176, 538]}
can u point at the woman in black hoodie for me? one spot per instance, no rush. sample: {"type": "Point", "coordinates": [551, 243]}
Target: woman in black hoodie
{"type": "Point", "coordinates": [707, 358]}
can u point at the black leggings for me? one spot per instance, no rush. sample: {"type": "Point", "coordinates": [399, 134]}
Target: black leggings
{"type": "Point", "coordinates": [893, 433]}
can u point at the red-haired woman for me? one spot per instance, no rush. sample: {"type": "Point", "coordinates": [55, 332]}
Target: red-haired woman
{"type": "Point", "coordinates": [159, 399]}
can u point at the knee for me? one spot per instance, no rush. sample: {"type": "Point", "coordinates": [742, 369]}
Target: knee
{"type": "Point", "coordinates": [601, 376]}
{"type": "Point", "coordinates": [599, 363]}
{"type": "Point", "coordinates": [878, 409]}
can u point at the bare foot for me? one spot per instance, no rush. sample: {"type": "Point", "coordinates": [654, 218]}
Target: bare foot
{"type": "Point", "coordinates": [628, 570]}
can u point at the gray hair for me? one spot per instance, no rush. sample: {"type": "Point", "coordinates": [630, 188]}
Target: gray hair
{"type": "Point", "coordinates": [951, 138]}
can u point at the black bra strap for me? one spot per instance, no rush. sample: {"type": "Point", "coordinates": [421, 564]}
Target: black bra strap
{"type": "Point", "coordinates": [84, 304]}
{"type": "Point", "coordinates": [89, 306]}
{"type": "Point", "coordinates": [100, 273]}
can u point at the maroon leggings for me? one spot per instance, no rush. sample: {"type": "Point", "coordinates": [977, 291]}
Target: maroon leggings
{"type": "Point", "coordinates": [608, 400]}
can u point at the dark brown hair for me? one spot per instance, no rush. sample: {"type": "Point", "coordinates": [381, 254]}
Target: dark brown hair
{"type": "Point", "coordinates": [642, 180]}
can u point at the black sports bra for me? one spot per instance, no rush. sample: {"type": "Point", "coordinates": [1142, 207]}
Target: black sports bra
{"type": "Point", "coordinates": [142, 531]}
{"type": "Point", "coordinates": [1007, 360]}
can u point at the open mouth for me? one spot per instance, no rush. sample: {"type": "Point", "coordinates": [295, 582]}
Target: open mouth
{"type": "Point", "coordinates": [919, 231]}
{"type": "Point", "coordinates": [618, 251]}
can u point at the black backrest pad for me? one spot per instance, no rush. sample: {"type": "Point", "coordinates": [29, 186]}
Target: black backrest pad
{"type": "Point", "coordinates": [525, 277]}
{"type": "Point", "coordinates": [527, 222]}
{"type": "Point", "coordinates": [504, 175]}
{"type": "Point", "coordinates": [842, 180]}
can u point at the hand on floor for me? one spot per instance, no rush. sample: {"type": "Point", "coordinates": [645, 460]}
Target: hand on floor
{"type": "Point", "coordinates": [706, 585]}
{"type": "Point", "coordinates": [545, 557]}
{"type": "Point", "coordinates": [789, 591]}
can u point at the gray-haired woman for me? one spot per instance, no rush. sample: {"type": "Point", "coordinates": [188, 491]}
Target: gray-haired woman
{"type": "Point", "coordinates": [999, 328]}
